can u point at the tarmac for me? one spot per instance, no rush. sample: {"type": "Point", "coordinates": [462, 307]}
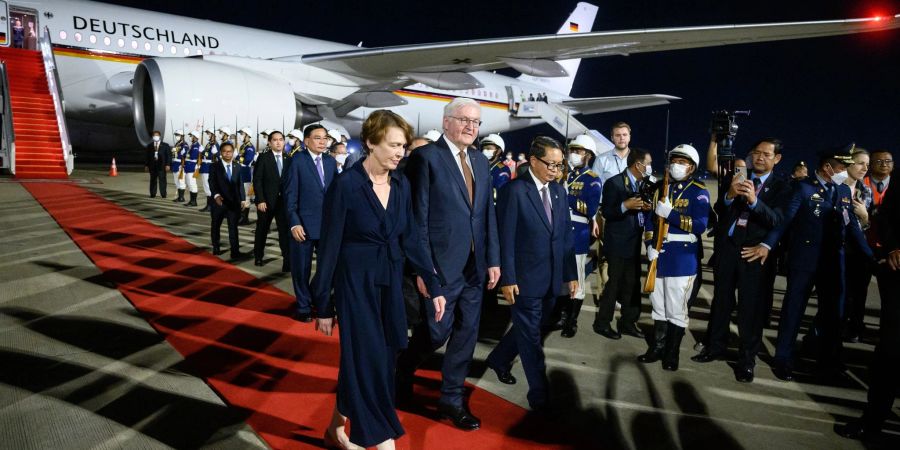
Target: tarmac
{"type": "Point", "coordinates": [80, 367]}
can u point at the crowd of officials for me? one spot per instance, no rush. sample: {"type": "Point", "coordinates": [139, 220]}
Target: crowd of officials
{"type": "Point", "coordinates": [423, 214]}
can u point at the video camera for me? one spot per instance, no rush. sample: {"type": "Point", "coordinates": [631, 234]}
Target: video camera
{"type": "Point", "coordinates": [724, 127]}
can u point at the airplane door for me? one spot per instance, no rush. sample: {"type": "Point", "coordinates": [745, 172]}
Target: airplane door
{"type": "Point", "coordinates": [4, 24]}
{"type": "Point", "coordinates": [513, 100]}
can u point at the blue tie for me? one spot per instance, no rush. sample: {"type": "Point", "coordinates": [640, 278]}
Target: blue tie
{"type": "Point", "coordinates": [228, 172]}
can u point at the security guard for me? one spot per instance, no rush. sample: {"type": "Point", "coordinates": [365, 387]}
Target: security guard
{"type": "Point", "coordinates": [179, 152]}
{"type": "Point", "coordinates": [584, 188]}
{"type": "Point", "coordinates": [821, 220]}
{"type": "Point", "coordinates": [191, 169]}
{"type": "Point", "coordinates": [264, 134]}
{"type": "Point", "coordinates": [492, 146]}
{"type": "Point", "coordinates": [292, 142]}
{"type": "Point", "coordinates": [225, 137]}
{"type": "Point", "coordinates": [686, 211]}
{"type": "Point", "coordinates": [246, 156]}
{"type": "Point", "coordinates": [208, 157]}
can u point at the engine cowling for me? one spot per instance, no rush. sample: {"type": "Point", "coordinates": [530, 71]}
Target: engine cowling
{"type": "Point", "coordinates": [192, 94]}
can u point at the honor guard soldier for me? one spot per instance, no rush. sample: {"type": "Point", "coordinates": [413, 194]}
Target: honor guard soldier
{"type": "Point", "coordinates": [245, 158]}
{"type": "Point", "coordinates": [264, 134]}
{"type": "Point", "coordinates": [292, 142]}
{"type": "Point", "coordinates": [492, 146]}
{"type": "Point", "coordinates": [208, 156]}
{"type": "Point", "coordinates": [584, 187]}
{"type": "Point", "coordinates": [683, 214]}
{"type": "Point", "coordinates": [179, 152]}
{"type": "Point", "coordinates": [191, 168]}
{"type": "Point", "coordinates": [225, 136]}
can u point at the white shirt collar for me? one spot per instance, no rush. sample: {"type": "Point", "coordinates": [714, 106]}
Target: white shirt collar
{"type": "Point", "coordinates": [453, 148]}
{"type": "Point", "coordinates": [537, 181]}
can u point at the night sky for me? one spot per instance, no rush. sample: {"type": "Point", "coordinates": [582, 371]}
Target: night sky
{"type": "Point", "coordinates": [813, 93]}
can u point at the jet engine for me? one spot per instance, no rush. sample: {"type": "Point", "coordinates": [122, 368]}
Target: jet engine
{"type": "Point", "coordinates": [191, 94]}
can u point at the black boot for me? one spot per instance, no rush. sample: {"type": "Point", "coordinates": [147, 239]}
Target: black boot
{"type": "Point", "coordinates": [570, 327]}
{"type": "Point", "coordinates": [193, 200]}
{"type": "Point", "coordinates": [658, 345]}
{"type": "Point", "coordinates": [245, 217]}
{"type": "Point", "coordinates": [206, 208]}
{"type": "Point", "coordinates": [674, 333]}
{"type": "Point", "coordinates": [180, 197]}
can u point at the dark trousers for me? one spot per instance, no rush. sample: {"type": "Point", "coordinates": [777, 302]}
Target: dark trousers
{"type": "Point", "coordinates": [458, 328]}
{"type": "Point", "coordinates": [264, 223]}
{"type": "Point", "coordinates": [530, 316]}
{"type": "Point", "coordinates": [218, 214]}
{"type": "Point", "coordinates": [828, 279]}
{"type": "Point", "coordinates": [883, 381]}
{"type": "Point", "coordinates": [158, 178]}
{"type": "Point", "coordinates": [624, 286]}
{"type": "Point", "coordinates": [301, 269]}
{"type": "Point", "coordinates": [749, 279]}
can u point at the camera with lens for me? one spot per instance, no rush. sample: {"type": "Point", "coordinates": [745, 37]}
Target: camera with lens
{"type": "Point", "coordinates": [648, 188]}
{"type": "Point", "coordinates": [724, 127]}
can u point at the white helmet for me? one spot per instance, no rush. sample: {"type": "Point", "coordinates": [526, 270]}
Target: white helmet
{"type": "Point", "coordinates": [246, 130]}
{"type": "Point", "coordinates": [433, 135]}
{"type": "Point", "coordinates": [687, 151]}
{"type": "Point", "coordinates": [225, 130]}
{"type": "Point", "coordinates": [195, 134]}
{"type": "Point", "coordinates": [494, 139]}
{"type": "Point", "coordinates": [209, 130]}
{"type": "Point", "coordinates": [586, 142]}
{"type": "Point", "coordinates": [335, 134]}
{"type": "Point", "coordinates": [266, 132]}
{"type": "Point", "coordinates": [296, 133]}
{"type": "Point", "coordinates": [179, 133]}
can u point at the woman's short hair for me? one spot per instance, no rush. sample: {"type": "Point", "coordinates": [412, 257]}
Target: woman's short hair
{"type": "Point", "coordinates": [377, 124]}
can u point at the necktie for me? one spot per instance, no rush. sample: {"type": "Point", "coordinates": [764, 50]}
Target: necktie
{"type": "Point", "coordinates": [756, 183]}
{"type": "Point", "coordinates": [545, 197]}
{"type": "Point", "coordinates": [880, 187]}
{"type": "Point", "coordinates": [831, 193]}
{"type": "Point", "coordinates": [278, 163]}
{"type": "Point", "coordinates": [467, 174]}
{"type": "Point", "coordinates": [228, 171]}
{"type": "Point", "coordinates": [320, 169]}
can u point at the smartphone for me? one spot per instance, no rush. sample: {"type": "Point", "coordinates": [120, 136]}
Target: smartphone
{"type": "Point", "coordinates": [740, 173]}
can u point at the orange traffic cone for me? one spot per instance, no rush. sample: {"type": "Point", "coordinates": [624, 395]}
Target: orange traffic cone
{"type": "Point", "coordinates": [113, 172]}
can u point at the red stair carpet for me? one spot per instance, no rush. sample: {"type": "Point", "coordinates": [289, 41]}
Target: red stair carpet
{"type": "Point", "coordinates": [235, 331]}
{"type": "Point", "coordinates": [38, 149]}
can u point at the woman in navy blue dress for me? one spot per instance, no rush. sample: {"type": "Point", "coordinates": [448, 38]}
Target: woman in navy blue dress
{"type": "Point", "coordinates": [368, 229]}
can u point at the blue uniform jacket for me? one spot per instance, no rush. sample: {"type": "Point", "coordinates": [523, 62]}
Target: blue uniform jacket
{"type": "Point", "coordinates": [584, 188]}
{"type": "Point", "coordinates": [193, 155]}
{"type": "Point", "coordinates": [304, 195]}
{"type": "Point", "coordinates": [245, 157]}
{"type": "Point", "coordinates": [500, 175]}
{"type": "Point", "coordinates": [690, 213]}
{"type": "Point", "coordinates": [535, 254]}
{"type": "Point", "coordinates": [179, 150]}
{"type": "Point", "coordinates": [208, 156]}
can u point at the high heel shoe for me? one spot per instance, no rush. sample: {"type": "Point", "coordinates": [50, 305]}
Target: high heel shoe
{"type": "Point", "coordinates": [331, 440]}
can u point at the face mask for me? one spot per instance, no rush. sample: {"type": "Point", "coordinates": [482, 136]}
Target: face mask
{"type": "Point", "coordinates": [341, 159]}
{"type": "Point", "coordinates": [509, 156]}
{"type": "Point", "coordinates": [489, 154]}
{"type": "Point", "coordinates": [839, 177]}
{"type": "Point", "coordinates": [521, 157]}
{"type": "Point", "coordinates": [155, 138]}
{"type": "Point", "coordinates": [575, 159]}
{"type": "Point", "coordinates": [648, 171]}
{"type": "Point", "coordinates": [678, 171]}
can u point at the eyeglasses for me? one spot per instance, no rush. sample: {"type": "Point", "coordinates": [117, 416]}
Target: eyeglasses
{"type": "Point", "coordinates": [467, 121]}
{"type": "Point", "coordinates": [551, 166]}
{"type": "Point", "coordinates": [758, 154]}
{"type": "Point", "coordinates": [883, 162]}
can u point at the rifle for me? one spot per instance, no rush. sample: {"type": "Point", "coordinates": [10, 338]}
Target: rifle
{"type": "Point", "coordinates": [662, 230]}
{"type": "Point", "coordinates": [181, 167]}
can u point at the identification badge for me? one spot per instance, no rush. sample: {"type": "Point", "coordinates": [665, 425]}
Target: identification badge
{"type": "Point", "coordinates": [846, 217]}
{"type": "Point", "coordinates": [816, 198]}
{"type": "Point", "coordinates": [742, 220]}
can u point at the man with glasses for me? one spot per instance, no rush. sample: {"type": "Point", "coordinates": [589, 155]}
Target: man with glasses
{"type": "Point", "coordinates": [454, 208]}
{"type": "Point", "coordinates": [749, 211]}
{"type": "Point", "coordinates": [538, 256]}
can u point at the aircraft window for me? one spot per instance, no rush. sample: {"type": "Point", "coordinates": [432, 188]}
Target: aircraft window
{"type": "Point", "coordinates": [147, 46]}
{"type": "Point", "coordinates": [134, 45]}
{"type": "Point", "coordinates": [121, 43]}
{"type": "Point", "coordinates": [199, 52]}
{"type": "Point", "coordinates": [160, 48]}
{"type": "Point", "coordinates": [173, 50]}
{"type": "Point", "coordinates": [62, 35]}
{"type": "Point", "coordinates": [187, 51]}
{"type": "Point", "coordinates": [107, 41]}
{"type": "Point", "coordinates": [93, 39]}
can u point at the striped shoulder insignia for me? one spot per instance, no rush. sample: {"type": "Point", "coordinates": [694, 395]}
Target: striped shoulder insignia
{"type": "Point", "coordinates": [699, 184]}
{"type": "Point", "coordinates": [591, 173]}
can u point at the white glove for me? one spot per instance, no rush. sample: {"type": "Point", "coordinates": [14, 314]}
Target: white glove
{"type": "Point", "coordinates": [652, 253]}
{"type": "Point", "coordinates": [663, 209]}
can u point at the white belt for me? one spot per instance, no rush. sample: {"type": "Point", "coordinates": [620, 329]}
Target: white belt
{"type": "Point", "coordinates": [207, 161]}
{"type": "Point", "coordinates": [681, 238]}
{"type": "Point", "coordinates": [579, 219]}
{"type": "Point", "coordinates": [192, 160]}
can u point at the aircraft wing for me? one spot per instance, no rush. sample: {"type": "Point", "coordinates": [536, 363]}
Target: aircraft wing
{"type": "Point", "coordinates": [595, 105]}
{"type": "Point", "coordinates": [539, 51]}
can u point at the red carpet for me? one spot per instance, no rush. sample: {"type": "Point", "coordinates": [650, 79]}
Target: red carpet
{"type": "Point", "coordinates": [234, 331]}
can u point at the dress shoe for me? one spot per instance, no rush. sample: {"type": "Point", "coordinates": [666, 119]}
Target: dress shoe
{"type": "Point", "coordinates": [855, 429]}
{"type": "Point", "coordinates": [237, 255]}
{"type": "Point", "coordinates": [258, 262]}
{"type": "Point", "coordinates": [216, 250]}
{"type": "Point", "coordinates": [631, 329]}
{"type": "Point", "coordinates": [782, 372]}
{"type": "Point", "coordinates": [504, 376]}
{"type": "Point", "coordinates": [461, 417]}
{"type": "Point", "coordinates": [569, 330]}
{"type": "Point", "coordinates": [706, 356]}
{"type": "Point", "coordinates": [607, 332]}
{"type": "Point", "coordinates": [304, 317]}
{"type": "Point", "coordinates": [743, 374]}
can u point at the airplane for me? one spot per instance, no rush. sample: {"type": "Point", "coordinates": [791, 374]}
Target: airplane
{"type": "Point", "coordinates": [125, 72]}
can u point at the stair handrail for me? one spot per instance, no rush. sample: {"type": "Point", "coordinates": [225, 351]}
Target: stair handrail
{"type": "Point", "coordinates": [8, 142]}
{"type": "Point", "coordinates": [58, 101]}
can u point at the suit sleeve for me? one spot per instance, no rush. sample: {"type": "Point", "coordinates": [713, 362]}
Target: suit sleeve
{"type": "Point", "coordinates": [214, 182]}
{"type": "Point", "coordinates": [611, 209]}
{"type": "Point", "coordinates": [493, 245]}
{"type": "Point", "coordinates": [770, 215]}
{"type": "Point", "coordinates": [507, 219]}
{"type": "Point", "coordinates": [419, 175]}
{"type": "Point", "coordinates": [888, 221]}
{"type": "Point", "coordinates": [259, 178]}
{"type": "Point", "coordinates": [856, 232]}
{"type": "Point", "coordinates": [292, 192]}
{"type": "Point", "coordinates": [167, 153]}
{"type": "Point", "coordinates": [790, 211]}
{"type": "Point", "coordinates": [149, 155]}
{"type": "Point", "coordinates": [333, 220]}
{"type": "Point", "coordinates": [417, 255]}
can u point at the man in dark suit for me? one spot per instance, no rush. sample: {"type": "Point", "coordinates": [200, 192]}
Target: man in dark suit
{"type": "Point", "coordinates": [748, 212]}
{"type": "Point", "coordinates": [227, 188]}
{"type": "Point", "coordinates": [624, 212]}
{"type": "Point", "coordinates": [268, 175]}
{"type": "Point", "coordinates": [159, 155]}
{"type": "Point", "coordinates": [821, 219]}
{"type": "Point", "coordinates": [308, 177]}
{"type": "Point", "coordinates": [454, 208]}
{"type": "Point", "coordinates": [537, 253]}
